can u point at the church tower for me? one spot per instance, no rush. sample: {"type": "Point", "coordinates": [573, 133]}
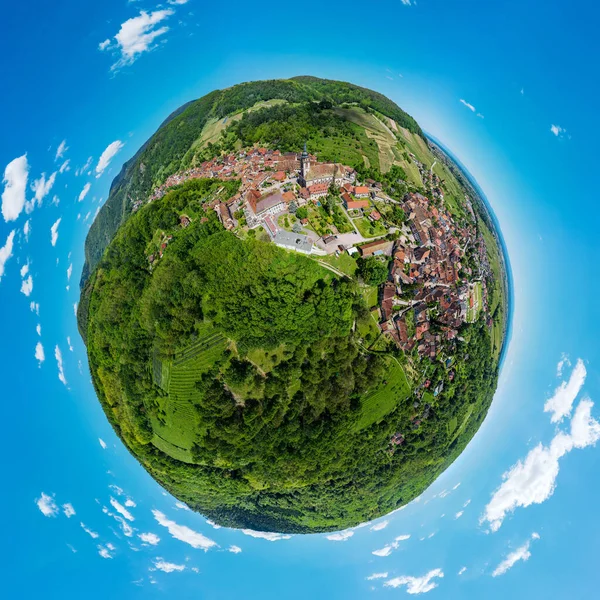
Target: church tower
{"type": "Point", "coordinates": [304, 165]}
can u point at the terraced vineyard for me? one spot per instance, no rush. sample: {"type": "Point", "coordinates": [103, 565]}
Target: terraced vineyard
{"type": "Point", "coordinates": [176, 433]}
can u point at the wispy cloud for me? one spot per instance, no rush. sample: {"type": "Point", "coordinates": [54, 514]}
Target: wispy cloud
{"type": "Point", "coordinates": [533, 480]}
{"type": "Point", "coordinates": [522, 553]}
{"type": "Point", "coordinates": [234, 549]}
{"type": "Point", "coordinates": [6, 252]}
{"type": "Point", "coordinates": [387, 550]}
{"type": "Point", "coordinates": [15, 178]}
{"type": "Point", "coordinates": [105, 551]}
{"type": "Point", "coordinates": [41, 188]}
{"type": "Point", "coordinates": [561, 402]}
{"type": "Point", "coordinates": [27, 286]}
{"type": "Point", "coordinates": [60, 151]}
{"type": "Point", "coordinates": [462, 570]}
{"type": "Point", "coordinates": [84, 168]}
{"type": "Point", "coordinates": [379, 526]}
{"type": "Point", "coordinates": [59, 364]}
{"type": "Point", "coordinates": [469, 106]}
{"type": "Point", "coordinates": [167, 567]}
{"type": "Point", "coordinates": [68, 510]}
{"type": "Point", "coordinates": [39, 353]}
{"type": "Point", "coordinates": [102, 443]}
{"type": "Point", "coordinates": [84, 191]}
{"type": "Point", "coordinates": [121, 510]}
{"type": "Point", "coordinates": [377, 576]}
{"type": "Point", "coordinates": [264, 535]}
{"type": "Point", "coordinates": [136, 36]}
{"type": "Point", "coordinates": [65, 166]}
{"type": "Point", "coordinates": [183, 533]}
{"type": "Point", "coordinates": [47, 505]}
{"type": "Point", "coordinates": [91, 533]}
{"type": "Point", "coordinates": [54, 232]}
{"type": "Point", "coordinates": [341, 536]}
{"type": "Point", "coordinates": [108, 154]}
{"type": "Point", "coordinates": [557, 130]}
{"type": "Point", "coordinates": [149, 538]}
{"type": "Point", "coordinates": [416, 585]}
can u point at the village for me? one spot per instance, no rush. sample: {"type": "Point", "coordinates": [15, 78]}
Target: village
{"type": "Point", "coordinates": [437, 267]}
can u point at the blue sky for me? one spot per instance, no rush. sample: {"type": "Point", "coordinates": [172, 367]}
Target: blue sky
{"type": "Point", "coordinates": [529, 526]}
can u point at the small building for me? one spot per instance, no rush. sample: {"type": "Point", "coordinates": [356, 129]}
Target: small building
{"type": "Point", "coordinates": [288, 197]}
{"type": "Point", "coordinates": [270, 204]}
{"type": "Point", "coordinates": [375, 216]}
{"type": "Point", "coordinates": [378, 246]}
{"type": "Point", "coordinates": [293, 241]}
{"type": "Point", "coordinates": [356, 204]}
{"type": "Point", "coordinates": [318, 190]}
{"type": "Point", "coordinates": [279, 176]}
{"type": "Point", "coordinates": [361, 191]}
{"type": "Point", "coordinates": [184, 221]}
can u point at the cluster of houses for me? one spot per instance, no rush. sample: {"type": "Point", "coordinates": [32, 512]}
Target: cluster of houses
{"type": "Point", "coordinates": [430, 285]}
{"type": "Point", "coordinates": [430, 288]}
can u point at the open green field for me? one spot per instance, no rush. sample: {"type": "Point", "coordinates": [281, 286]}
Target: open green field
{"type": "Point", "coordinates": [265, 360]}
{"type": "Point", "coordinates": [368, 229]}
{"type": "Point", "coordinates": [344, 262]}
{"type": "Point", "coordinates": [458, 431]}
{"type": "Point", "coordinates": [177, 432]}
{"type": "Point", "coordinates": [476, 294]}
{"type": "Point", "coordinates": [377, 404]}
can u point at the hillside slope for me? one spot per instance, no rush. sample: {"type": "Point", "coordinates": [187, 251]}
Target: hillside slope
{"type": "Point", "coordinates": [167, 151]}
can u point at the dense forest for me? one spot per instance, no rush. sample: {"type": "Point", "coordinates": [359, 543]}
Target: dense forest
{"type": "Point", "coordinates": [166, 152]}
{"type": "Point", "coordinates": [233, 372]}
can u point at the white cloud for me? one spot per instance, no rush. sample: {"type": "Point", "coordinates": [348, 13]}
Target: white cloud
{"type": "Point", "coordinates": [149, 538]}
{"type": "Point", "coordinates": [181, 505]}
{"type": "Point", "coordinates": [121, 509]}
{"type": "Point", "coordinates": [234, 549]}
{"type": "Point", "coordinates": [105, 551]}
{"type": "Point", "coordinates": [264, 535]}
{"type": "Point", "coordinates": [533, 480]}
{"type": "Point", "coordinates": [84, 191]}
{"type": "Point", "coordinates": [6, 252]}
{"type": "Point", "coordinates": [69, 344]}
{"type": "Point", "coordinates": [130, 503]}
{"type": "Point", "coordinates": [116, 489]}
{"type": "Point", "coordinates": [377, 576]}
{"type": "Point", "coordinates": [178, 1]}
{"type": "Point", "coordinates": [379, 526]}
{"type": "Point", "coordinates": [564, 360]}
{"type": "Point", "coordinates": [459, 514]}
{"type": "Point", "coordinates": [27, 230]}
{"type": "Point", "coordinates": [65, 166]}
{"type": "Point", "coordinates": [561, 402]}
{"type": "Point", "coordinates": [24, 269]}
{"type": "Point", "coordinates": [467, 503]}
{"type": "Point", "coordinates": [75, 308]}
{"type": "Point", "coordinates": [62, 148]}
{"type": "Point", "coordinates": [38, 329]}
{"type": "Point", "coordinates": [104, 45]}
{"type": "Point", "coordinates": [416, 585]}
{"type": "Point", "coordinates": [341, 536]}
{"type": "Point", "coordinates": [408, 2]}
{"type": "Point", "coordinates": [41, 188]}
{"type": "Point", "coordinates": [68, 510]}
{"type": "Point", "coordinates": [84, 168]}
{"type": "Point", "coordinates": [462, 570]}
{"type": "Point", "coordinates": [15, 185]}
{"type": "Point", "coordinates": [102, 443]}
{"type": "Point", "coordinates": [136, 36]}
{"type": "Point", "coordinates": [469, 106]}
{"type": "Point", "coordinates": [35, 308]}
{"type": "Point", "coordinates": [557, 130]}
{"type": "Point", "coordinates": [522, 553]}
{"type": "Point", "coordinates": [54, 232]}
{"type": "Point", "coordinates": [59, 363]}
{"type": "Point", "coordinates": [167, 567]}
{"type": "Point", "coordinates": [47, 505]}
{"type": "Point", "coordinates": [91, 533]}
{"type": "Point", "coordinates": [27, 286]}
{"type": "Point", "coordinates": [387, 550]}
{"type": "Point", "coordinates": [183, 533]}
{"type": "Point", "coordinates": [108, 154]}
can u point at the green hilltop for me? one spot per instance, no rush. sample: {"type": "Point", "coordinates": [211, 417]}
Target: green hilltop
{"type": "Point", "coordinates": [260, 385]}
